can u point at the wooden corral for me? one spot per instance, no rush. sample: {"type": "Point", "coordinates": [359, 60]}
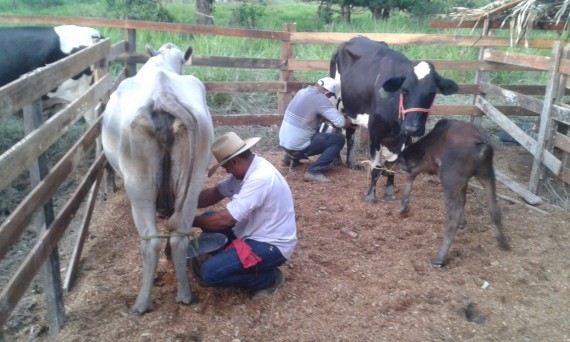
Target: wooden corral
{"type": "Point", "coordinates": [498, 102]}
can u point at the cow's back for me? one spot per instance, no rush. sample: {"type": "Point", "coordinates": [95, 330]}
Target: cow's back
{"type": "Point", "coordinates": [364, 65]}
{"type": "Point", "coordinates": [25, 49]}
{"type": "Point", "coordinates": [156, 117]}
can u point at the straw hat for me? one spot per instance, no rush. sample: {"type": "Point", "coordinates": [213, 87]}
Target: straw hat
{"type": "Point", "coordinates": [228, 146]}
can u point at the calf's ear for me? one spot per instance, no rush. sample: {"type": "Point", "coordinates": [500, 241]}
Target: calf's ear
{"type": "Point", "coordinates": [446, 86]}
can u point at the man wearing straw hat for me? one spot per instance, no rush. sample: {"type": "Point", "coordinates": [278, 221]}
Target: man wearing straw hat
{"type": "Point", "coordinates": [299, 135]}
{"type": "Point", "coordinates": [259, 220]}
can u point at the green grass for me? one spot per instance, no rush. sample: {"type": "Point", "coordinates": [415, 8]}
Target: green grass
{"type": "Point", "coordinates": [276, 14]}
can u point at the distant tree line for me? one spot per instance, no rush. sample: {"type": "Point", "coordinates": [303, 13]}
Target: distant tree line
{"type": "Point", "coordinates": [381, 9]}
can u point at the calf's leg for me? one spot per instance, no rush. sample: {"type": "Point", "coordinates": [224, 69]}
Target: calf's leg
{"type": "Point", "coordinates": [454, 212]}
{"type": "Point", "coordinates": [389, 193]}
{"type": "Point", "coordinates": [405, 201]}
{"type": "Point", "coordinates": [495, 211]}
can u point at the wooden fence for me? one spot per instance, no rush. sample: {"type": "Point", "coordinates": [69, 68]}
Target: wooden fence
{"type": "Point", "coordinates": [550, 149]}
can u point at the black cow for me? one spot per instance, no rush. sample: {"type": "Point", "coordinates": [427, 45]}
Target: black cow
{"type": "Point", "coordinates": [27, 48]}
{"type": "Point", "coordinates": [395, 92]}
{"type": "Point", "coordinates": [456, 151]}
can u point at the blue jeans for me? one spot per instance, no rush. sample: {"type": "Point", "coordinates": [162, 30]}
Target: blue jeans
{"type": "Point", "coordinates": [328, 145]}
{"type": "Point", "coordinates": [224, 269]}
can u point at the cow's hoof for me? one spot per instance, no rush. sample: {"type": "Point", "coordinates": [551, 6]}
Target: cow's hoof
{"type": "Point", "coordinates": [193, 300]}
{"type": "Point", "coordinates": [370, 199]}
{"type": "Point", "coordinates": [141, 309]}
{"type": "Point", "coordinates": [438, 263]}
{"type": "Point", "coordinates": [504, 245]}
{"type": "Point", "coordinates": [354, 166]}
{"type": "Point", "coordinates": [390, 197]}
{"type": "Point", "coordinates": [404, 211]}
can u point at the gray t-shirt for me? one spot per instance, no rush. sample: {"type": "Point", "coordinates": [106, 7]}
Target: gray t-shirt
{"type": "Point", "coordinates": [303, 116]}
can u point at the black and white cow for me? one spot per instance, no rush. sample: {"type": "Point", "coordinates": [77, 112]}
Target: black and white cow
{"type": "Point", "coordinates": [396, 93]}
{"type": "Point", "coordinates": [456, 151]}
{"type": "Point", "coordinates": [27, 48]}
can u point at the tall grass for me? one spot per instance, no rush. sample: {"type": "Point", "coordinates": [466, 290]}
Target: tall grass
{"type": "Point", "coordinates": [276, 13]}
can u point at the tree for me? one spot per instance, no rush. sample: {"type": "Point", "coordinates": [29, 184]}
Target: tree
{"type": "Point", "coordinates": [204, 9]}
{"type": "Point", "coordinates": [150, 10]}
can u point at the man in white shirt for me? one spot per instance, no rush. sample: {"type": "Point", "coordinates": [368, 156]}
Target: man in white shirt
{"type": "Point", "coordinates": [259, 220]}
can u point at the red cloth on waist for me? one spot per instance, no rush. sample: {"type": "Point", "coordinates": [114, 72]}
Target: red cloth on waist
{"type": "Point", "coordinates": [244, 252]}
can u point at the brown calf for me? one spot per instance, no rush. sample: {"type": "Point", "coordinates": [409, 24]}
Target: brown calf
{"type": "Point", "coordinates": [456, 151]}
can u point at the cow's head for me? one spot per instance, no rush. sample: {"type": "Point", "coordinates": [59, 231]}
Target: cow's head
{"type": "Point", "coordinates": [417, 88]}
{"type": "Point", "coordinates": [171, 57]}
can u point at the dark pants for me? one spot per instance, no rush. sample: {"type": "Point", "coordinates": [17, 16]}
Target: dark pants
{"type": "Point", "coordinates": [224, 269]}
{"type": "Point", "coordinates": [328, 145]}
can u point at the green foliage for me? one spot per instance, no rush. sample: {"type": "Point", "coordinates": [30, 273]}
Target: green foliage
{"type": "Point", "coordinates": [248, 14]}
{"type": "Point", "coordinates": [150, 10]}
{"type": "Point", "coordinates": [40, 3]}
{"type": "Point", "coordinates": [11, 130]}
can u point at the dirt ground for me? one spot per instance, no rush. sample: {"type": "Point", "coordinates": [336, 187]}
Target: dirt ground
{"type": "Point", "coordinates": [359, 273]}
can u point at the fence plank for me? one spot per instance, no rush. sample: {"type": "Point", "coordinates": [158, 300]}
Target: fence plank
{"type": "Point", "coordinates": [15, 224]}
{"type": "Point", "coordinates": [18, 284]}
{"type": "Point", "coordinates": [517, 133]}
{"type": "Point", "coordinates": [521, 59]}
{"type": "Point", "coordinates": [245, 87]}
{"type": "Point", "coordinates": [562, 142]}
{"type": "Point", "coordinates": [81, 235]}
{"type": "Point", "coordinates": [50, 273]}
{"type": "Point", "coordinates": [144, 25]}
{"type": "Point", "coordinates": [526, 195]}
{"type": "Point", "coordinates": [416, 39]}
{"type": "Point", "coordinates": [544, 130]}
{"type": "Point", "coordinates": [440, 65]}
{"type": "Point", "coordinates": [20, 156]}
{"type": "Point", "coordinates": [34, 85]}
{"type": "Point", "coordinates": [561, 113]}
{"type": "Point", "coordinates": [512, 97]}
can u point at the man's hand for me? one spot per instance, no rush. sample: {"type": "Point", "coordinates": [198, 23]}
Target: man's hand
{"type": "Point", "coordinates": [347, 122]}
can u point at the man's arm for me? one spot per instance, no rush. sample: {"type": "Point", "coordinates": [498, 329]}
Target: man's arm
{"type": "Point", "coordinates": [220, 220]}
{"type": "Point", "coordinates": [209, 197]}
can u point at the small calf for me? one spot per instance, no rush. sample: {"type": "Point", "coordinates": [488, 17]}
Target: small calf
{"type": "Point", "coordinates": [456, 151]}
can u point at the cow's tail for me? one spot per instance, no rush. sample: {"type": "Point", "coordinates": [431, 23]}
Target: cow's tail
{"type": "Point", "coordinates": [191, 178]}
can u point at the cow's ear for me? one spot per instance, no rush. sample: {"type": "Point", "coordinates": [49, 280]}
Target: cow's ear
{"type": "Point", "coordinates": [446, 86]}
{"type": "Point", "coordinates": [188, 53]}
{"type": "Point", "coordinates": [151, 52]}
{"type": "Point", "coordinates": [393, 84]}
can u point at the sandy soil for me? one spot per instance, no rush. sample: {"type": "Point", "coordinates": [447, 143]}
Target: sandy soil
{"type": "Point", "coordinates": [359, 273]}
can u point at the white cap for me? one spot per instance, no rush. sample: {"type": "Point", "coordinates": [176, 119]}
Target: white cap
{"type": "Point", "coordinates": [328, 83]}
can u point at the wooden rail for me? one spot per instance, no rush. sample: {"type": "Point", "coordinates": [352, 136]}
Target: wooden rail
{"type": "Point", "coordinates": [498, 102]}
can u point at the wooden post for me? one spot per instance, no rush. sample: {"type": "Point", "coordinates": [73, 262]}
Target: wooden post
{"type": "Point", "coordinates": [131, 48]}
{"type": "Point", "coordinates": [545, 120]}
{"type": "Point", "coordinates": [481, 76]}
{"type": "Point", "coordinates": [51, 277]}
{"type": "Point", "coordinates": [556, 128]}
{"type": "Point", "coordinates": [285, 76]}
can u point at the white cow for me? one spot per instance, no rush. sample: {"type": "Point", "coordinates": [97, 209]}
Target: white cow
{"type": "Point", "coordinates": [157, 134]}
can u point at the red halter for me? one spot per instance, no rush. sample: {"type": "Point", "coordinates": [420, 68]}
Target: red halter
{"type": "Point", "coordinates": [403, 111]}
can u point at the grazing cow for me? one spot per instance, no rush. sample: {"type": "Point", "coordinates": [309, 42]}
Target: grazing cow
{"type": "Point", "coordinates": [395, 92]}
{"type": "Point", "coordinates": [456, 151]}
{"type": "Point", "coordinates": [27, 48]}
{"type": "Point", "coordinates": [157, 134]}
